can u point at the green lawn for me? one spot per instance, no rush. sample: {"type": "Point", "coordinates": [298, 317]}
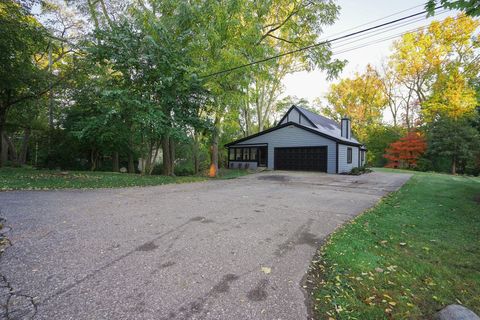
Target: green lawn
{"type": "Point", "coordinates": [415, 252]}
{"type": "Point", "coordinates": [31, 179]}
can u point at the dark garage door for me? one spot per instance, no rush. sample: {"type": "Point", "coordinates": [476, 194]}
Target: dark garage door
{"type": "Point", "coordinates": [301, 158]}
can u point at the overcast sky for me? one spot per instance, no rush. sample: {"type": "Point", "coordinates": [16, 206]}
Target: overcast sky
{"type": "Point", "coordinates": [311, 85]}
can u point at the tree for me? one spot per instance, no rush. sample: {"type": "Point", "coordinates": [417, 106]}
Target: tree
{"type": "Point", "coordinates": [41, 48]}
{"type": "Point", "coordinates": [360, 98]}
{"type": "Point", "coordinates": [97, 119]}
{"type": "Point", "coordinates": [471, 7]}
{"type": "Point", "coordinates": [423, 61]}
{"type": "Point", "coordinates": [378, 139]}
{"type": "Point", "coordinates": [137, 94]}
{"type": "Point", "coordinates": [22, 45]}
{"type": "Point", "coordinates": [455, 139]}
{"type": "Point", "coordinates": [401, 99]}
{"type": "Point", "coordinates": [245, 31]}
{"type": "Point", "coordinates": [405, 152]}
{"type": "Point", "coordinates": [452, 97]}
{"type": "Point", "coordinates": [285, 26]}
{"type": "Point", "coordinates": [281, 106]}
{"type": "Point", "coordinates": [219, 44]}
{"type": "Point", "coordinates": [391, 90]}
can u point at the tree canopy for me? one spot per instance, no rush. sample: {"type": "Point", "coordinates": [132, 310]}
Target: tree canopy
{"type": "Point", "coordinates": [142, 84]}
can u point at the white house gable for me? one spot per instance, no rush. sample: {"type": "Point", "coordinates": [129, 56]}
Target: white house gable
{"type": "Point", "coordinates": [294, 116]}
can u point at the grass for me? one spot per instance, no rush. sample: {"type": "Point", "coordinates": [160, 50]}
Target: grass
{"type": "Point", "coordinates": [31, 179]}
{"type": "Point", "coordinates": [231, 173]}
{"type": "Point", "coordinates": [414, 253]}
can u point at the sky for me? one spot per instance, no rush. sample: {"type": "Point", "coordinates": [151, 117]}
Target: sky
{"type": "Point", "coordinates": [311, 85]}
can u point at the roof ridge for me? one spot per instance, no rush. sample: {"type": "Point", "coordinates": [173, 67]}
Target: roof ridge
{"type": "Point", "coordinates": [317, 115]}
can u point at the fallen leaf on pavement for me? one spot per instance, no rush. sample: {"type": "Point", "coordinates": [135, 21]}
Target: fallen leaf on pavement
{"type": "Point", "coordinates": [266, 270]}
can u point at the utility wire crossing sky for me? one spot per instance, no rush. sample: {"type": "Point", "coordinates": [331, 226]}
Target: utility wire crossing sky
{"type": "Point", "coordinates": [350, 35]}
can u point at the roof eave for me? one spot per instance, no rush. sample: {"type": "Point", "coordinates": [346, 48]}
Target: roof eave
{"type": "Point", "coordinates": [325, 135]}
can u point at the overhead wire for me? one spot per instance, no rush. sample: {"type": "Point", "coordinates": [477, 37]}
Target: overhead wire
{"type": "Point", "coordinates": [372, 21]}
{"type": "Point", "coordinates": [382, 39]}
{"type": "Point", "coordinates": [387, 29]}
{"type": "Point", "coordinates": [336, 39]}
{"type": "Point", "coordinates": [379, 19]}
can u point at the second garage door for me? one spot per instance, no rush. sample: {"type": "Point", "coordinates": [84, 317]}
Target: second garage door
{"type": "Point", "coordinates": [301, 158]}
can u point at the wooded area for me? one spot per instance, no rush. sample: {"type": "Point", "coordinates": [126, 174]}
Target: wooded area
{"type": "Point", "coordinates": [100, 85]}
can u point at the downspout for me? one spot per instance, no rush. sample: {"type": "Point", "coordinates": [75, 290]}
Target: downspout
{"type": "Point", "coordinates": [336, 158]}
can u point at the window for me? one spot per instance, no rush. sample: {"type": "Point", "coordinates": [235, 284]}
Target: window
{"type": "Point", "coordinates": [253, 154]}
{"type": "Point", "coordinates": [363, 155]}
{"type": "Point", "coordinates": [238, 154]}
{"type": "Point", "coordinates": [245, 154]}
{"type": "Point", "coordinates": [349, 155]}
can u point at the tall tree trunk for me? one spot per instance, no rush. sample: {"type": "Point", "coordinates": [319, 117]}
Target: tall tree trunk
{"type": "Point", "coordinates": [147, 159]}
{"type": "Point", "coordinates": [454, 165]}
{"type": "Point", "coordinates": [50, 94]}
{"type": "Point", "coordinates": [93, 160]}
{"type": "Point", "coordinates": [115, 162]}
{"type": "Point", "coordinates": [394, 111]}
{"type": "Point", "coordinates": [105, 13]}
{"type": "Point", "coordinates": [172, 156]}
{"type": "Point", "coordinates": [214, 149]}
{"type": "Point", "coordinates": [4, 149]}
{"type": "Point", "coordinates": [12, 150]}
{"type": "Point", "coordinates": [3, 142]}
{"type": "Point", "coordinates": [93, 13]}
{"type": "Point", "coordinates": [195, 151]}
{"type": "Point", "coordinates": [22, 156]}
{"type": "Point", "coordinates": [259, 115]}
{"type": "Point", "coordinates": [407, 117]}
{"type": "Point", "coordinates": [131, 164]}
{"type": "Point", "coordinates": [167, 162]}
{"type": "Point", "coordinates": [196, 163]}
{"type": "Point", "coordinates": [214, 156]}
{"type": "Point", "coordinates": [157, 147]}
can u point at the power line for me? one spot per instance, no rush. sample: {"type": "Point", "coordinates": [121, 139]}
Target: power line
{"type": "Point", "coordinates": [383, 39]}
{"type": "Point", "coordinates": [315, 44]}
{"type": "Point", "coordinates": [386, 30]}
{"type": "Point", "coordinates": [376, 20]}
{"type": "Point", "coordinates": [387, 38]}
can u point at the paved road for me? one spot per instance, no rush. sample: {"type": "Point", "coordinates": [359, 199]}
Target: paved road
{"type": "Point", "coordinates": [190, 251]}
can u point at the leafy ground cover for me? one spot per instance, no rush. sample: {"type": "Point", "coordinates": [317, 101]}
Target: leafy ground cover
{"type": "Point", "coordinates": [232, 173]}
{"type": "Point", "coordinates": [414, 253]}
{"type": "Point", "coordinates": [31, 179]}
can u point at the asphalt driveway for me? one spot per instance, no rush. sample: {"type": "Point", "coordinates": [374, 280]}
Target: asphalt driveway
{"type": "Point", "coordinates": [231, 249]}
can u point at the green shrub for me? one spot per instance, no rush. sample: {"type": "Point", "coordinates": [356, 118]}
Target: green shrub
{"type": "Point", "coordinates": [184, 170]}
{"type": "Point", "coordinates": [359, 170]}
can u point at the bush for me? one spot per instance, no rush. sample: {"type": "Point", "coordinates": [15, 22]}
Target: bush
{"type": "Point", "coordinates": [157, 169]}
{"type": "Point", "coordinates": [184, 170]}
{"type": "Point", "coordinates": [359, 170]}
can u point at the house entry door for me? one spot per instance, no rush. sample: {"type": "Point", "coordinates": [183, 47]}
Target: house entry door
{"type": "Point", "coordinates": [262, 156]}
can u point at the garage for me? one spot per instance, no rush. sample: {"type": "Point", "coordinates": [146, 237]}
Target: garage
{"type": "Point", "coordinates": [301, 158]}
{"type": "Point", "coordinates": [302, 141]}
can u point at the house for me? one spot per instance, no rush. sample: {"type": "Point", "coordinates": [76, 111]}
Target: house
{"type": "Point", "coordinates": [302, 140]}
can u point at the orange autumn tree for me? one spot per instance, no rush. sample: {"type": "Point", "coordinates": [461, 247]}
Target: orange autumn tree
{"type": "Point", "coordinates": [405, 152]}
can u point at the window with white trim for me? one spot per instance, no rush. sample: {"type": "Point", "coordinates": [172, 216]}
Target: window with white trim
{"type": "Point", "coordinates": [349, 155]}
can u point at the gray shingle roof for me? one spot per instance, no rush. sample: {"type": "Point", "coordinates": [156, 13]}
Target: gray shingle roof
{"type": "Point", "coordinates": [324, 125]}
